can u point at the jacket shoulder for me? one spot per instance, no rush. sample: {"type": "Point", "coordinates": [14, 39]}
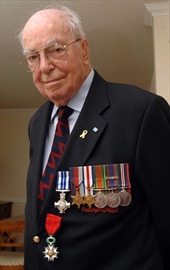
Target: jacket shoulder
{"type": "Point", "coordinates": [46, 107]}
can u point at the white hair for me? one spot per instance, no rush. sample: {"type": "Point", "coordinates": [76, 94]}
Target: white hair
{"type": "Point", "coordinates": [72, 20]}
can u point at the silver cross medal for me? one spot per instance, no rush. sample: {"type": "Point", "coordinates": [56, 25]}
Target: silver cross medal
{"type": "Point", "coordinates": [62, 204]}
{"type": "Point", "coordinates": [62, 185]}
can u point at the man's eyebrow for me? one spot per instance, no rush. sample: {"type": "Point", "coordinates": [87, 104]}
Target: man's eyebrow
{"type": "Point", "coordinates": [30, 51]}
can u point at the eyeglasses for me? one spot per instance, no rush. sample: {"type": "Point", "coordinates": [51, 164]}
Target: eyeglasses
{"type": "Point", "coordinates": [54, 53]}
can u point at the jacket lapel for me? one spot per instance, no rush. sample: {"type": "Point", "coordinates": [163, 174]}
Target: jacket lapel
{"type": "Point", "coordinates": [90, 119]}
{"type": "Point", "coordinates": [80, 146]}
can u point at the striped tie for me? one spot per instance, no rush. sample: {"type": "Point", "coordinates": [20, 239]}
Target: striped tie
{"type": "Point", "coordinates": [60, 139]}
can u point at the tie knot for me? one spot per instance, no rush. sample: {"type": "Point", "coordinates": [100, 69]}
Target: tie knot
{"type": "Point", "coordinates": [64, 112]}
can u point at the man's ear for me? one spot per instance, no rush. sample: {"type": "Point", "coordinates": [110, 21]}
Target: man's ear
{"type": "Point", "coordinates": [85, 50]}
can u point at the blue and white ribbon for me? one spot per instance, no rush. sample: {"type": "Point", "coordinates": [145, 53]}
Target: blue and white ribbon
{"type": "Point", "coordinates": [63, 181]}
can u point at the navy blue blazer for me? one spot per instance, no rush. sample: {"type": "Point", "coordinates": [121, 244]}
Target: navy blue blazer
{"type": "Point", "coordinates": [133, 127]}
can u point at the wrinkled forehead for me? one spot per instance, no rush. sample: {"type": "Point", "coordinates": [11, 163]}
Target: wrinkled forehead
{"type": "Point", "coordinates": [45, 24]}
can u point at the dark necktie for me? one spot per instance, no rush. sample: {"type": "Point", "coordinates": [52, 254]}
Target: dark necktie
{"type": "Point", "coordinates": [60, 139]}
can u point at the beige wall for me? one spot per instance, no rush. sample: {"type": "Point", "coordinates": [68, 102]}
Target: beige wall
{"type": "Point", "coordinates": [161, 56]}
{"type": "Point", "coordinates": [157, 16]}
{"type": "Point", "coordinates": [14, 157]}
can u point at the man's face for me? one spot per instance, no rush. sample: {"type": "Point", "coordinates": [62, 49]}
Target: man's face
{"type": "Point", "coordinates": [56, 81]}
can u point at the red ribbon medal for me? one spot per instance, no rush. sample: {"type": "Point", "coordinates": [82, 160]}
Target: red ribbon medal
{"type": "Point", "coordinates": [52, 225]}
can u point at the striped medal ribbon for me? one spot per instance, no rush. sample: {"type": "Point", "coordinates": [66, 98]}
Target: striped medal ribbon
{"type": "Point", "coordinates": [62, 185]}
{"type": "Point", "coordinates": [124, 182]}
{"type": "Point", "coordinates": [88, 181]}
{"type": "Point", "coordinates": [112, 176]}
{"type": "Point", "coordinates": [76, 178]}
{"type": "Point", "coordinates": [100, 185]}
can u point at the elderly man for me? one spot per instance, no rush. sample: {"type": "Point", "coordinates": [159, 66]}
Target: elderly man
{"type": "Point", "coordinates": [100, 199]}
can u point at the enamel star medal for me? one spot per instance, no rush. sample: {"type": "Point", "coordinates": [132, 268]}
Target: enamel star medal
{"type": "Point", "coordinates": [52, 225]}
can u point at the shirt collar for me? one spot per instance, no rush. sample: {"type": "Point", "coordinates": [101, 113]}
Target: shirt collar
{"type": "Point", "coordinates": [77, 101]}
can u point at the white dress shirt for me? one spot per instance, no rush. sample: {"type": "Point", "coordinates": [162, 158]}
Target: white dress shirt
{"type": "Point", "coordinates": [76, 103]}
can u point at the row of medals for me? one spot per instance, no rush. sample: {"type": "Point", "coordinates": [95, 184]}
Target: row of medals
{"type": "Point", "coordinates": [100, 200]}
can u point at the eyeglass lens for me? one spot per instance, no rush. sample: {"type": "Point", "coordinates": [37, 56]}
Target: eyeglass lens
{"type": "Point", "coordinates": [54, 53]}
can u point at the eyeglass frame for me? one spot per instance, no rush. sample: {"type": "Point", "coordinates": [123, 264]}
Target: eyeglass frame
{"type": "Point", "coordinates": [64, 46]}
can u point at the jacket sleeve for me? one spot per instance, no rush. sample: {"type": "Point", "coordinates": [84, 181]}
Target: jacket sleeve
{"type": "Point", "coordinates": [153, 169]}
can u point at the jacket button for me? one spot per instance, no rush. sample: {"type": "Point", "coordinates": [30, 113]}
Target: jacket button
{"type": "Point", "coordinates": [36, 239]}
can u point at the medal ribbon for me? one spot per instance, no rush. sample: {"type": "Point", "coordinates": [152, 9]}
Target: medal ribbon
{"type": "Point", "coordinates": [52, 224]}
{"type": "Point", "coordinates": [112, 175]}
{"type": "Point", "coordinates": [97, 177]}
{"type": "Point", "coordinates": [63, 180]}
{"type": "Point", "coordinates": [76, 178]}
{"type": "Point", "coordinates": [100, 178]}
{"type": "Point", "coordinates": [124, 176]}
{"type": "Point", "coordinates": [88, 179]}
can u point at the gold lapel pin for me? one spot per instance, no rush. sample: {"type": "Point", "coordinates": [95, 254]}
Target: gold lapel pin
{"type": "Point", "coordinates": [83, 134]}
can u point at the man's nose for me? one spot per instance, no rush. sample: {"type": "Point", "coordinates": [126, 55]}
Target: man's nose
{"type": "Point", "coordinates": [45, 63]}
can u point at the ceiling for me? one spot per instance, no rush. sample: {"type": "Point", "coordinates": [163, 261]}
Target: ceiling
{"type": "Point", "coordinates": [121, 46]}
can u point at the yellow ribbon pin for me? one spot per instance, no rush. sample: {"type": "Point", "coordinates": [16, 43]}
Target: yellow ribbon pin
{"type": "Point", "coordinates": [83, 134]}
